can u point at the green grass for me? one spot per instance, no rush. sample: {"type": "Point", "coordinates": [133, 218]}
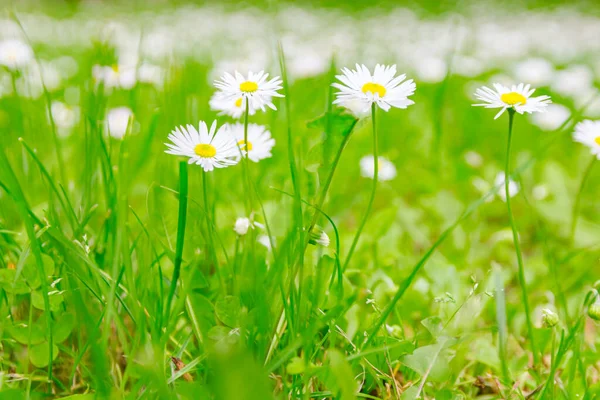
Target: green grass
{"type": "Point", "coordinates": [121, 275]}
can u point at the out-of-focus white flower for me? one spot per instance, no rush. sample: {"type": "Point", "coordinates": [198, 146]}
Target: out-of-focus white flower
{"type": "Point", "coordinates": [242, 225]}
{"type": "Point", "coordinates": [537, 71]}
{"type": "Point", "coordinates": [117, 121]}
{"type": "Point", "coordinates": [540, 192]}
{"type": "Point", "coordinates": [258, 91]}
{"type": "Point", "coordinates": [387, 170]}
{"type": "Point", "coordinates": [553, 118]}
{"type": "Point", "coordinates": [209, 148]}
{"type": "Point", "coordinates": [307, 63]}
{"type": "Point", "coordinates": [264, 240]}
{"type": "Point", "coordinates": [588, 133]}
{"type": "Point", "coordinates": [431, 69]}
{"type": "Point", "coordinates": [65, 117]}
{"type": "Point", "coordinates": [115, 76]}
{"type": "Point", "coordinates": [573, 81]}
{"type": "Point", "coordinates": [473, 158]}
{"type": "Point", "coordinates": [513, 187]}
{"type": "Point", "coordinates": [259, 143]}
{"type": "Point", "coordinates": [467, 66]}
{"type": "Point", "coordinates": [382, 88]}
{"type": "Point", "coordinates": [517, 97]}
{"type": "Point", "coordinates": [151, 74]}
{"type": "Point", "coordinates": [15, 54]}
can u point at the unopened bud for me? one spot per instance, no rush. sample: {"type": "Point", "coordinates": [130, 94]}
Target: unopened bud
{"type": "Point", "coordinates": [594, 311]}
{"type": "Point", "coordinates": [318, 236]}
{"type": "Point", "coordinates": [549, 318]}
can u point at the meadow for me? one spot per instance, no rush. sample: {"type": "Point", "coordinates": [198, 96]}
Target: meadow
{"type": "Point", "coordinates": [176, 224]}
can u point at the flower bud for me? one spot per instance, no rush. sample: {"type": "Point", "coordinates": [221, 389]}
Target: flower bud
{"type": "Point", "coordinates": [318, 236]}
{"type": "Point", "coordinates": [549, 318]}
{"type": "Point", "coordinates": [594, 311]}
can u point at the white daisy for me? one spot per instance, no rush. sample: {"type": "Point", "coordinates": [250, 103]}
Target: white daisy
{"type": "Point", "coordinates": [117, 121]}
{"type": "Point", "coordinates": [381, 88]}
{"type": "Point", "coordinates": [517, 97]}
{"type": "Point", "coordinates": [588, 133]}
{"type": "Point", "coordinates": [241, 226]}
{"type": "Point", "coordinates": [255, 88]}
{"type": "Point", "coordinates": [115, 76]}
{"type": "Point", "coordinates": [386, 170]}
{"type": "Point", "coordinates": [208, 148]}
{"type": "Point", "coordinates": [15, 54]}
{"type": "Point", "coordinates": [260, 141]}
{"type": "Point", "coordinates": [226, 105]}
{"type": "Point", "coordinates": [65, 117]}
{"type": "Point", "coordinates": [513, 187]}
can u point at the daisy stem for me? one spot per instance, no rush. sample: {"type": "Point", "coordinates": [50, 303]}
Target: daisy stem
{"type": "Point", "coordinates": [515, 234]}
{"type": "Point", "coordinates": [183, 191]}
{"type": "Point", "coordinates": [577, 203]}
{"type": "Point", "coordinates": [321, 200]}
{"type": "Point", "coordinates": [246, 163]}
{"type": "Point", "coordinates": [373, 191]}
{"type": "Point", "coordinates": [209, 234]}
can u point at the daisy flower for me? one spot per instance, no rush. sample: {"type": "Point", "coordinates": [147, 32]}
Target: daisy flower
{"type": "Point", "coordinates": [117, 121]}
{"type": "Point", "coordinates": [241, 226]}
{"type": "Point", "coordinates": [255, 88]}
{"type": "Point", "coordinates": [229, 106]}
{"type": "Point", "coordinates": [513, 187]}
{"type": "Point", "coordinates": [260, 141]}
{"type": "Point", "coordinates": [381, 88]}
{"type": "Point", "coordinates": [209, 148]}
{"type": "Point", "coordinates": [15, 54]}
{"type": "Point", "coordinates": [115, 76]}
{"type": "Point", "coordinates": [387, 170]}
{"type": "Point", "coordinates": [588, 133]}
{"type": "Point", "coordinates": [517, 97]}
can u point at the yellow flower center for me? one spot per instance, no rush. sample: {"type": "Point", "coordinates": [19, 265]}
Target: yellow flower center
{"type": "Point", "coordinates": [374, 88]}
{"type": "Point", "coordinates": [597, 140]}
{"type": "Point", "coordinates": [238, 102]}
{"type": "Point", "coordinates": [115, 68]}
{"type": "Point", "coordinates": [242, 145]}
{"type": "Point", "coordinates": [513, 98]}
{"type": "Point", "coordinates": [248, 87]}
{"type": "Point", "coordinates": [205, 150]}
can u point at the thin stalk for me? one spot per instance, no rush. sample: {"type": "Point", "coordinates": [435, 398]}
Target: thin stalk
{"type": "Point", "coordinates": [209, 235]}
{"type": "Point", "coordinates": [373, 191]}
{"type": "Point", "coordinates": [577, 203]}
{"type": "Point", "coordinates": [183, 191]}
{"type": "Point", "coordinates": [246, 161]}
{"type": "Point", "coordinates": [319, 204]}
{"type": "Point", "coordinates": [515, 234]}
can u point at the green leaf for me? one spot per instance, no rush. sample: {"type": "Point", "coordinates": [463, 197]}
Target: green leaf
{"type": "Point", "coordinates": [8, 283]}
{"type": "Point", "coordinates": [55, 299]}
{"type": "Point", "coordinates": [432, 361]}
{"type": "Point", "coordinates": [38, 354]}
{"type": "Point", "coordinates": [62, 327]}
{"type": "Point", "coordinates": [344, 383]}
{"type": "Point", "coordinates": [20, 332]}
{"type": "Point", "coordinates": [341, 123]}
{"type": "Point", "coordinates": [228, 309]}
{"type": "Point", "coordinates": [434, 325]}
{"type": "Point", "coordinates": [295, 366]}
{"type": "Point", "coordinates": [30, 271]}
